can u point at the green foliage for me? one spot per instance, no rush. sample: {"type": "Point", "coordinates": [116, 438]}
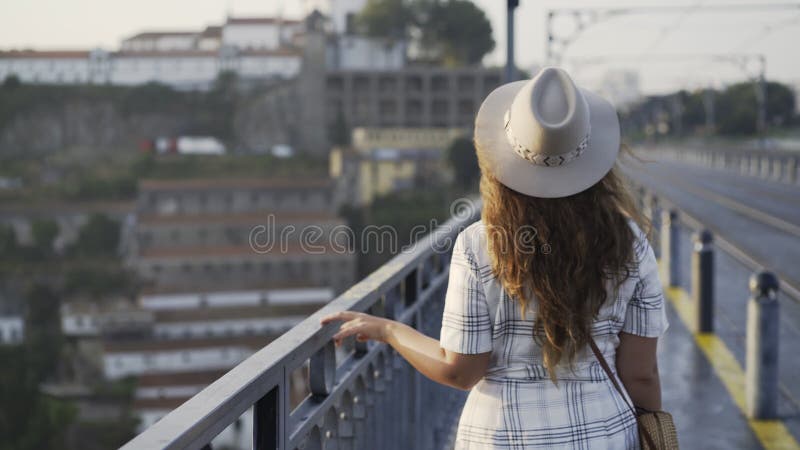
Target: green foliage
{"type": "Point", "coordinates": [386, 18]}
{"type": "Point", "coordinates": [460, 30]}
{"type": "Point", "coordinates": [98, 237]}
{"type": "Point", "coordinates": [44, 233]}
{"type": "Point", "coordinates": [462, 157]}
{"type": "Point", "coordinates": [29, 420]}
{"type": "Point", "coordinates": [97, 281]}
{"type": "Point", "coordinates": [8, 242]}
{"type": "Point", "coordinates": [152, 98]}
{"type": "Point", "coordinates": [12, 82]}
{"type": "Point", "coordinates": [102, 435]}
{"type": "Point", "coordinates": [206, 113]}
{"type": "Point", "coordinates": [454, 32]}
{"type": "Point", "coordinates": [411, 214]}
{"type": "Point", "coordinates": [43, 338]}
{"type": "Point", "coordinates": [735, 110]}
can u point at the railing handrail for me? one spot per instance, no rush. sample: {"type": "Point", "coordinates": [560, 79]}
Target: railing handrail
{"type": "Point", "coordinates": [197, 421]}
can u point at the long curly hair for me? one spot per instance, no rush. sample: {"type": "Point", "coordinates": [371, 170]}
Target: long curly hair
{"type": "Point", "coordinates": [561, 256]}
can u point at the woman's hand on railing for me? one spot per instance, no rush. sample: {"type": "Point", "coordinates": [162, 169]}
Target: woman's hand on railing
{"type": "Point", "coordinates": [363, 326]}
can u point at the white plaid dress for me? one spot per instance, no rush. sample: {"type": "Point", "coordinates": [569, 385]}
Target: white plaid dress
{"type": "Point", "coordinates": [516, 406]}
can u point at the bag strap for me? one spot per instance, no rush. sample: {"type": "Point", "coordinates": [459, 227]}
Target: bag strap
{"type": "Point", "coordinates": [607, 370]}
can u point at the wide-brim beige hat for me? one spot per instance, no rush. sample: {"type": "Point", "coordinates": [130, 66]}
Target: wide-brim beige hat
{"type": "Point", "coordinates": [546, 137]}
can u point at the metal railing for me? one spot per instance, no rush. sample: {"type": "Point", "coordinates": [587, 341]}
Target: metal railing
{"type": "Point", "coordinates": [369, 399]}
{"type": "Point", "coordinates": [762, 385]}
{"type": "Point", "coordinates": [769, 165]}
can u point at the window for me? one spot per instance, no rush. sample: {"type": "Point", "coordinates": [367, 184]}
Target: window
{"type": "Point", "coordinates": [360, 84]}
{"type": "Point", "coordinates": [388, 107]}
{"type": "Point", "coordinates": [387, 85]}
{"type": "Point", "coordinates": [466, 83]}
{"type": "Point", "coordinates": [439, 83]}
{"type": "Point", "coordinates": [414, 83]}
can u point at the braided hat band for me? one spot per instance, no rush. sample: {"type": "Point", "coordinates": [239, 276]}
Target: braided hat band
{"type": "Point", "coordinates": [541, 159]}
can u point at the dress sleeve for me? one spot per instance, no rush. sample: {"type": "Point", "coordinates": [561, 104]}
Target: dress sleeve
{"type": "Point", "coordinates": [466, 326]}
{"type": "Point", "coordinates": [646, 313]}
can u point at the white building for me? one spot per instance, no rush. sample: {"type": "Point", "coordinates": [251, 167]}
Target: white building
{"type": "Point", "coordinates": [160, 41]}
{"type": "Point", "coordinates": [259, 33]}
{"type": "Point", "coordinates": [256, 48]}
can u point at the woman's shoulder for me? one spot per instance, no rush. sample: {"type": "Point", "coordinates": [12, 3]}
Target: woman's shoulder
{"type": "Point", "coordinates": [472, 239]}
{"type": "Point", "coordinates": [641, 244]}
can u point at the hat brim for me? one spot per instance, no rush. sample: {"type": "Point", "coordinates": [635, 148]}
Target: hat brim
{"type": "Point", "coordinates": [542, 181]}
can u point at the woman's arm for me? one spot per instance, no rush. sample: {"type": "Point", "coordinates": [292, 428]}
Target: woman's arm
{"type": "Point", "coordinates": [637, 367]}
{"type": "Point", "coordinates": [423, 352]}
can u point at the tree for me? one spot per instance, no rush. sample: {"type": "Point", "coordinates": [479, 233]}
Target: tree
{"type": "Point", "coordinates": [385, 18]}
{"type": "Point", "coordinates": [464, 161]}
{"type": "Point", "coordinates": [42, 331]}
{"type": "Point", "coordinates": [455, 32]}
{"type": "Point", "coordinates": [460, 31]}
{"type": "Point", "coordinates": [98, 237]}
{"type": "Point", "coordinates": [8, 243]}
{"type": "Point", "coordinates": [12, 82]}
{"type": "Point", "coordinates": [44, 233]}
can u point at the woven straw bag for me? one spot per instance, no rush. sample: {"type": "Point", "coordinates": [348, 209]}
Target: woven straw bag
{"type": "Point", "coordinates": [656, 428]}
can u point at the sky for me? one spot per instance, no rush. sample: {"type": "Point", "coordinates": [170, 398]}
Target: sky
{"type": "Point", "coordinates": [670, 49]}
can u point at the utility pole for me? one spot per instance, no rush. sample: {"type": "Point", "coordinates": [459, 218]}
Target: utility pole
{"type": "Point", "coordinates": [761, 99]}
{"type": "Point", "coordinates": [708, 106]}
{"type": "Point", "coordinates": [511, 71]}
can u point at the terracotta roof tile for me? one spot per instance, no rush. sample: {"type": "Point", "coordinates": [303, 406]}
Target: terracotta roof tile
{"type": "Point", "coordinates": [148, 220]}
{"type": "Point", "coordinates": [179, 378]}
{"type": "Point", "coordinates": [232, 313]}
{"type": "Point", "coordinates": [235, 183]}
{"type": "Point", "coordinates": [34, 54]}
{"type": "Point", "coordinates": [233, 250]}
{"type": "Point", "coordinates": [155, 345]}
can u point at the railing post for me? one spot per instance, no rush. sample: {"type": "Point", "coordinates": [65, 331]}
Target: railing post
{"type": "Point", "coordinates": [268, 421]}
{"type": "Point", "coordinates": [322, 370]}
{"type": "Point", "coordinates": [791, 169]}
{"type": "Point", "coordinates": [669, 247]}
{"type": "Point", "coordinates": [761, 378]}
{"type": "Point", "coordinates": [703, 282]}
{"type": "Point", "coordinates": [652, 214]}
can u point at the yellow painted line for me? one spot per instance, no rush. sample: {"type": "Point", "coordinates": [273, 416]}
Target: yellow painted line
{"type": "Point", "coordinates": [772, 434]}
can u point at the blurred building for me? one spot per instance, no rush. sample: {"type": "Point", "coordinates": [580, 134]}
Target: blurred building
{"type": "Point", "coordinates": [196, 235]}
{"type": "Point", "coordinates": [230, 265]}
{"type": "Point", "coordinates": [382, 161]}
{"type": "Point", "coordinates": [415, 97]}
{"type": "Point", "coordinates": [255, 48]}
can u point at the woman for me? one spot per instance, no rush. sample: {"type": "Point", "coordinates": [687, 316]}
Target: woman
{"type": "Point", "coordinates": [556, 262]}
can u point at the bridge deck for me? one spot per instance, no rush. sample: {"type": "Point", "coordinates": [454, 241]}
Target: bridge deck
{"type": "Point", "coordinates": [757, 216]}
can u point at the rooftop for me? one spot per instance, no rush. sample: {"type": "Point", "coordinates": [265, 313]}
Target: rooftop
{"type": "Point", "coordinates": [232, 313]}
{"type": "Point", "coordinates": [179, 378]}
{"type": "Point", "coordinates": [233, 183]}
{"type": "Point", "coordinates": [237, 250]}
{"type": "Point", "coordinates": [158, 34]}
{"type": "Point", "coordinates": [161, 345]}
{"type": "Point", "coordinates": [242, 218]}
{"type": "Point", "coordinates": [260, 21]}
{"type": "Point", "coordinates": [35, 54]}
